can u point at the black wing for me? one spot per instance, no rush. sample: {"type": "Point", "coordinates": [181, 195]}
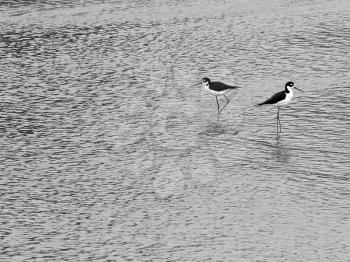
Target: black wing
{"type": "Point", "coordinates": [275, 98]}
{"type": "Point", "coordinates": [218, 86]}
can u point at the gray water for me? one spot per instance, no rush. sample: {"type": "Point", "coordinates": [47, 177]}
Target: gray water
{"type": "Point", "coordinates": [110, 153]}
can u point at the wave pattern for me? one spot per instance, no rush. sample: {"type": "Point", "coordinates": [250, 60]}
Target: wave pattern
{"type": "Point", "coordinates": [109, 152]}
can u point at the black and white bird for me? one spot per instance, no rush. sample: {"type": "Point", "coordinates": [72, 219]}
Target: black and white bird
{"type": "Point", "coordinates": [217, 89]}
{"type": "Point", "coordinates": [280, 99]}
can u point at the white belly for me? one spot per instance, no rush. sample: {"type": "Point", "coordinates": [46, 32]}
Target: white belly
{"type": "Point", "coordinates": [286, 101]}
{"type": "Point", "coordinates": [214, 93]}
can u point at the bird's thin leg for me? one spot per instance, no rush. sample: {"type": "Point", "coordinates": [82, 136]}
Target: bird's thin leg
{"type": "Point", "coordinates": [279, 121]}
{"type": "Point", "coordinates": [227, 101]}
{"type": "Point", "coordinates": [217, 102]}
{"type": "Point", "coordinates": [278, 118]}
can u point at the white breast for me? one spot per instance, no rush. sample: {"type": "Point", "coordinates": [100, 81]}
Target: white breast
{"type": "Point", "coordinates": [214, 93]}
{"type": "Point", "coordinates": [287, 100]}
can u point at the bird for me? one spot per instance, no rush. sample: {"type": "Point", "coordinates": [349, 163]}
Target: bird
{"type": "Point", "coordinates": [280, 99]}
{"type": "Point", "coordinates": [217, 89]}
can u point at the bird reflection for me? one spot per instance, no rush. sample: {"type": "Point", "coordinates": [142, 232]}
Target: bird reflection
{"type": "Point", "coordinates": [281, 152]}
{"type": "Point", "coordinates": [213, 129]}
{"type": "Point", "coordinates": [277, 149]}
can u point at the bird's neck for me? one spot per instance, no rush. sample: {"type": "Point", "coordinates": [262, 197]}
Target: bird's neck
{"type": "Point", "coordinates": [288, 90]}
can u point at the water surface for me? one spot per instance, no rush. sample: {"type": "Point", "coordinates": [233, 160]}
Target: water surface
{"type": "Point", "coordinates": [109, 153]}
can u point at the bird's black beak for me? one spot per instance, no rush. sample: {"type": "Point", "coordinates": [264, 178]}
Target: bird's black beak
{"type": "Point", "coordinates": [196, 84]}
{"type": "Point", "coordinates": [298, 89]}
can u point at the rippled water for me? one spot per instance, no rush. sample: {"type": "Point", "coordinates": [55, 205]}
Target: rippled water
{"type": "Point", "coordinates": [109, 153]}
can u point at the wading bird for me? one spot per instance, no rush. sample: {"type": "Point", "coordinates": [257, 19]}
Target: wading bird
{"type": "Point", "coordinates": [279, 99]}
{"type": "Point", "coordinates": [217, 89]}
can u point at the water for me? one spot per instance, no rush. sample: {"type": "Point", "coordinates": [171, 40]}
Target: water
{"type": "Point", "coordinates": [108, 152]}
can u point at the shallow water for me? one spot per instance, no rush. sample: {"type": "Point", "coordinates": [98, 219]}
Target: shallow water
{"type": "Point", "coordinates": [109, 153]}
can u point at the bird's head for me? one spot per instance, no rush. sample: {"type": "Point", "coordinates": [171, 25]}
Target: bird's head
{"type": "Point", "coordinates": [290, 85]}
{"type": "Point", "coordinates": [205, 80]}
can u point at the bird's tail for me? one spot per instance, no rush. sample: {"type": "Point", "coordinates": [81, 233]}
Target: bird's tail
{"type": "Point", "coordinates": [260, 104]}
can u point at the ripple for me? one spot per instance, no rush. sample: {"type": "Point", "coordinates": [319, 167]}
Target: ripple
{"type": "Point", "coordinates": [108, 152]}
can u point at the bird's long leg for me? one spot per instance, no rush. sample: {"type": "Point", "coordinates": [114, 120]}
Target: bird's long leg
{"type": "Point", "coordinates": [279, 121]}
{"type": "Point", "coordinates": [227, 101]}
{"type": "Point", "coordinates": [217, 102]}
{"type": "Point", "coordinates": [278, 118]}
